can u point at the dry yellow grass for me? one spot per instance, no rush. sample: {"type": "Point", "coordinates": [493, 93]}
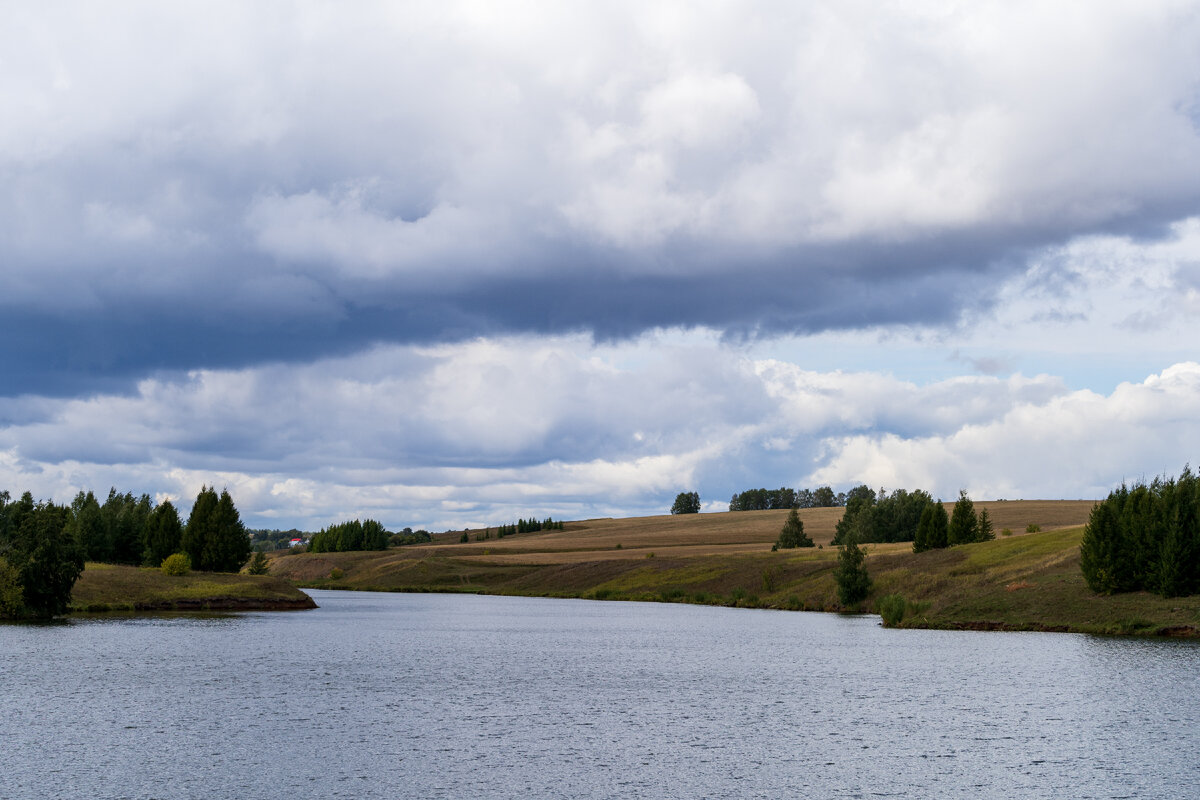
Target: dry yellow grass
{"type": "Point", "coordinates": [1019, 582]}
{"type": "Point", "coordinates": [690, 535]}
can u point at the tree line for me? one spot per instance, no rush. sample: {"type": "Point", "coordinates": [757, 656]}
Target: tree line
{"type": "Point", "coordinates": [531, 525]}
{"type": "Point", "coordinates": [352, 535]}
{"type": "Point", "coordinates": [1145, 537]}
{"type": "Point", "coordinates": [910, 516]}
{"type": "Point", "coordinates": [782, 498]}
{"type": "Point", "coordinates": [43, 546]}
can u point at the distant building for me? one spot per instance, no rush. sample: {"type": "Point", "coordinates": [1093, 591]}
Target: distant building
{"type": "Point", "coordinates": [295, 542]}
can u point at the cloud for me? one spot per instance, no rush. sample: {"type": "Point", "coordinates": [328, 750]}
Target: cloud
{"type": "Point", "coordinates": [1078, 444]}
{"type": "Point", "coordinates": [475, 433]}
{"type": "Point", "coordinates": [218, 187]}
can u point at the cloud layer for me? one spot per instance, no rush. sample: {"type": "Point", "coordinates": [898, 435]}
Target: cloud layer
{"type": "Point", "coordinates": [222, 185]}
{"type": "Point", "coordinates": [450, 264]}
{"type": "Point", "coordinates": [476, 433]}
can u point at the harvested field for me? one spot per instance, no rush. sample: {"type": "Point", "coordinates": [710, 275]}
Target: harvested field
{"type": "Point", "coordinates": [711, 534]}
{"type": "Point", "coordinates": [1025, 581]}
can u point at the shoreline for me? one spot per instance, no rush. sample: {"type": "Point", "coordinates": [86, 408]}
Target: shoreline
{"type": "Point", "coordinates": [1019, 582]}
{"type": "Point", "coordinates": [116, 589]}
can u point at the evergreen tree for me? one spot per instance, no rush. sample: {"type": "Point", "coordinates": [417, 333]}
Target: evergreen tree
{"type": "Point", "coordinates": [163, 533]}
{"type": "Point", "coordinates": [963, 523]}
{"type": "Point", "coordinates": [938, 534]}
{"type": "Point", "coordinates": [921, 538]}
{"type": "Point", "coordinates": [1145, 537]}
{"type": "Point", "coordinates": [1104, 554]}
{"type": "Point", "coordinates": [200, 526]}
{"type": "Point", "coordinates": [793, 534]}
{"type": "Point", "coordinates": [853, 581]}
{"type": "Point", "coordinates": [375, 536]}
{"type": "Point", "coordinates": [983, 531]}
{"type": "Point", "coordinates": [258, 564]}
{"type": "Point", "coordinates": [1178, 564]}
{"type": "Point", "coordinates": [228, 546]}
{"type": "Point", "coordinates": [47, 559]}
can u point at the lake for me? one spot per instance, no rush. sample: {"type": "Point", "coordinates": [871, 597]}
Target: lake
{"type": "Point", "coordinates": [446, 696]}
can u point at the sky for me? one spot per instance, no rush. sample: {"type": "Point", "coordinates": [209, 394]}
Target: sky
{"type": "Point", "coordinates": [449, 264]}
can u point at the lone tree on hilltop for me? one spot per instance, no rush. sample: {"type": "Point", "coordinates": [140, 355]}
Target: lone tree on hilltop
{"type": "Point", "coordinates": [686, 503]}
{"type": "Point", "coordinates": [793, 534]}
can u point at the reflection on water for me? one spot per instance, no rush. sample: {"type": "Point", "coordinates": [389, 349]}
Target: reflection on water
{"type": "Point", "coordinates": [425, 696]}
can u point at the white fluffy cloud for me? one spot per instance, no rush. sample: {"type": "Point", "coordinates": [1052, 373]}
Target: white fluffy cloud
{"type": "Point", "coordinates": [349, 259]}
{"type": "Point", "coordinates": [1076, 445]}
{"type": "Point", "coordinates": [475, 433]}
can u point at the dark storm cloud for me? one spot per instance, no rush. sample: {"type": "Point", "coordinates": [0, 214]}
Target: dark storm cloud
{"type": "Point", "coordinates": [186, 187]}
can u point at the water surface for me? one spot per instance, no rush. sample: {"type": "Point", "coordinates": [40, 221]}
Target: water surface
{"type": "Point", "coordinates": [441, 696]}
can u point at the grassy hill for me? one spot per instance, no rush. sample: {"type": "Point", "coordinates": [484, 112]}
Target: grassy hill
{"type": "Point", "coordinates": [1018, 582]}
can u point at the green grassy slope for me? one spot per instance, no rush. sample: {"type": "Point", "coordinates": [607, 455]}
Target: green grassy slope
{"type": "Point", "coordinates": [1026, 582]}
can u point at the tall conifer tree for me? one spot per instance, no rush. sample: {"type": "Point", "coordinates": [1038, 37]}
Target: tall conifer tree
{"type": "Point", "coordinates": [963, 523]}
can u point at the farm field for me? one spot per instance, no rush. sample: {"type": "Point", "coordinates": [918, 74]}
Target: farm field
{"type": "Point", "coordinates": [1024, 581]}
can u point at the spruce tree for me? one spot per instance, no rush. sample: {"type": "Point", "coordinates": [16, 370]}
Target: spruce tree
{"type": "Point", "coordinates": [984, 532]}
{"type": "Point", "coordinates": [200, 526]}
{"type": "Point", "coordinates": [793, 534]}
{"type": "Point", "coordinates": [258, 564]}
{"type": "Point", "coordinates": [963, 523]}
{"type": "Point", "coordinates": [939, 528]}
{"type": "Point", "coordinates": [1178, 567]}
{"type": "Point", "coordinates": [853, 581]}
{"type": "Point", "coordinates": [227, 546]}
{"type": "Point", "coordinates": [162, 535]}
{"type": "Point", "coordinates": [924, 525]}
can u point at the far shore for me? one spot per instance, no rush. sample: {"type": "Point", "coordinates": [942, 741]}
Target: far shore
{"type": "Point", "coordinates": [1021, 581]}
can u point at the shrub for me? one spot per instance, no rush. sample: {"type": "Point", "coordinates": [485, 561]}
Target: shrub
{"type": "Point", "coordinates": [336, 573]}
{"type": "Point", "coordinates": [1006, 532]}
{"type": "Point", "coordinates": [258, 564]}
{"type": "Point", "coordinates": [769, 579]}
{"type": "Point", "coordinates": [892, 608]}
{"type": "Point", "coordinates": [1033, 527]}
{"type": "Point", "coordinates": [464, 538]}
{"type": "Point", "coordinates": [176, 564]}
{"type": "Point", "coordinates": [649, 555]}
